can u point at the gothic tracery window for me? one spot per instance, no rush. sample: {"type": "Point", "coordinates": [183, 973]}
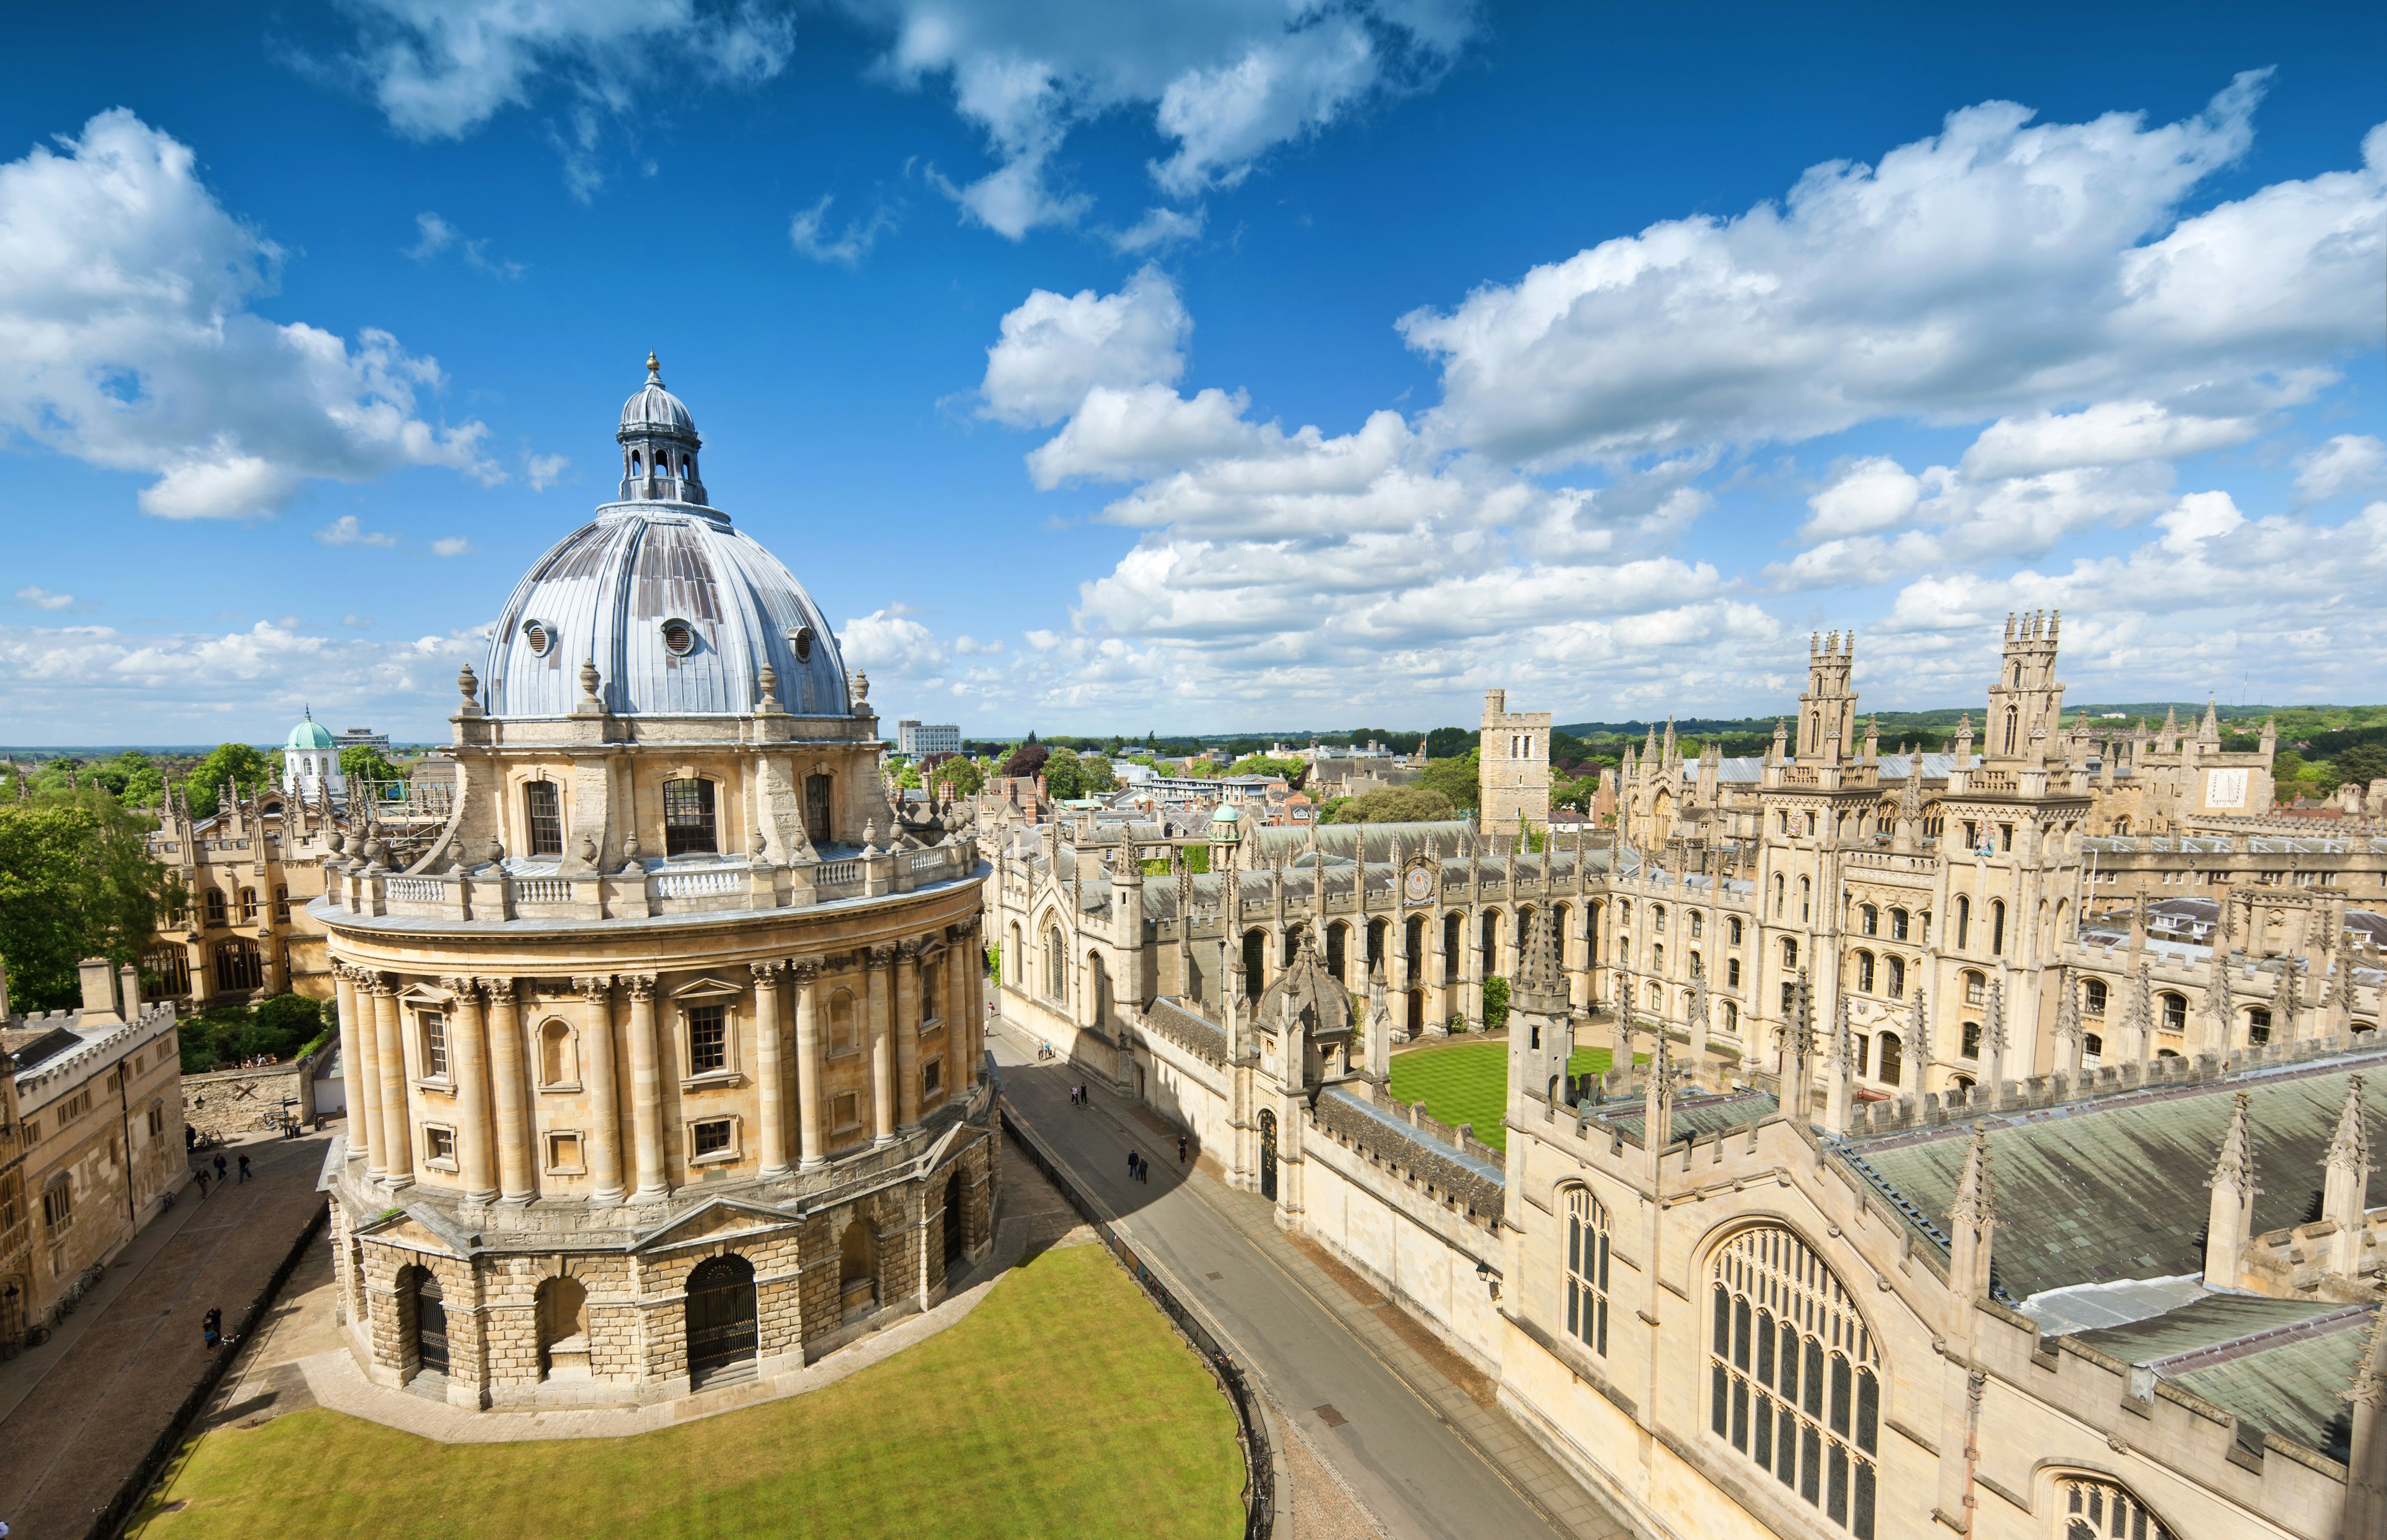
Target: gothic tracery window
{"type": "Point", "coordinates": [2094, 1509]}
{"type": "Point", "coordinates": [1586, 1270]}
{"type": "Point", "coordinates": [1794, 1380]}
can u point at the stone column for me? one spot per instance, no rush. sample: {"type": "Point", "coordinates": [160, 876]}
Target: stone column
{"type": "Point", "coordinates": [973, 997]}
{"type": "Point", "coordinates": [604, 1089]}
{"type": "Point", "coordinates": [353, 1039]}
{"type": "Point", "coordinates": [769, 1069]}
{"type": "Point", "coordinates": [517, 1166]}
{"type": "Point", "coordinates": [394, 1138]}
{"type": "Point", "coordinates": [908, 1016]}
{"type": "Point", "coordinates": [646, 1088]}
{"type": "Point", "coordinates": [468, 1066]}
{"type": "Point", "coordinates": [809, 1155]}
{"type": "Point", "coordinates": [882, 1048]}
{"type": "Point", "coordinates": [952, 992]}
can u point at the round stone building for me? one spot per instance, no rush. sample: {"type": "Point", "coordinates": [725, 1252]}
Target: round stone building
{"type": "Point", "coordinates": [662, 1049]}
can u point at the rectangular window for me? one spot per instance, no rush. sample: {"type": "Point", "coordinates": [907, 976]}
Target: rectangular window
{"type": "Point", "coordinates": [439, 1146]}
{"type": "Point", "coordinates": [543, 801]}
{"type": "Point", "coordinates": [434, 1045]}
{"type": "Point", "coordinates": [563, 1154]}
{"type": "Point", "coordinates": [844, 1112]}
{"type": "Point", "coordinates": [156, 1121]}
{"type": "Point", "coordinates": [932, 1078]}
{"type": "Point", "coordinates": [711, 1137]}
{"type": "Point", "coordinates": [708, 1038]}
{"type": "Point", "coordinates": [57, 1206]}
{"type": "Point", "coordinates": [687, 818]}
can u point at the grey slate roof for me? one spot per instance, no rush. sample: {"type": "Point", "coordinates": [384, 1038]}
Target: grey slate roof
{"type": "Point", "coordinates": [2096, 1191]}
{"type": "Point", "coordinates": [2282, 1364]}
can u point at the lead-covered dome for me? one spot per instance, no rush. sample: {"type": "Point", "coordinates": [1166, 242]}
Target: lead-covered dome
{"type": "Point", "coordinates": [680, 611]}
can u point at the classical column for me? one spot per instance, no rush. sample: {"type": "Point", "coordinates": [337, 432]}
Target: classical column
{"type": "Point", "coordinates": [468, 1066]}
{"type": "Point", "coordinates": [952, 993]}
{"type": "Point", "coordinates": [808, 1064]}
{"type": "Point", "coordinates": [908, 1016]}
{"type": "Point", "coordinates": [882, 1048]}
{"type": "Point", "coordinates": [353, 1039]}
{"type": "Point", "coordinates": [394, 1138]}
{"type": "Point", "coordinates": [974, 935]}
{"type": "Point", "coordinates": [517, 1178]}
{"type": "Point", "coordinates": [646, 1087]}
{"type": "Point", "coordinates": [768, 1069]}
{"type": "Point", "coordinates": [604, 1089]}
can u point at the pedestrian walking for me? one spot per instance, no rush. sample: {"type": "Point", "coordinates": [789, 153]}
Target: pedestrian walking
{"type": "Point", "coordinates": [1130, 1165]}
{"type": "Point", "coordinates": [212, 1329]}
{"type": "Point", "coordinates": [244, 1167]}
{"type": "Point", "coordinates": [1143, 1169]}
{"type": "Point", "coordinates": [1181, 1149]}
{"type": "Point", "coordinates": [222, 1167]}
{"type": "Point", "coordinates": [203, 1182]}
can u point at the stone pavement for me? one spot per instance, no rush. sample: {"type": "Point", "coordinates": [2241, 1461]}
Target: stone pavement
{"type": "Point", "coordinates": [299, 1358]}
{"type": "Point", "coordinates": [1401, 1420]}
{"type": "Point", "coordinates": [83, 1418]}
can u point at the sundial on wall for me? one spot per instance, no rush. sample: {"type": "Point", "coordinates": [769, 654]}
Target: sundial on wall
{"type": "Point", "coordinates": [1417, 884]}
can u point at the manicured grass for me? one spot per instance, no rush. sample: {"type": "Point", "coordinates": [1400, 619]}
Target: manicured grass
{"type": "Point", "coordinates": [1063, 1405]}
{"type": "Point", "coordinates": [1467, 1082]}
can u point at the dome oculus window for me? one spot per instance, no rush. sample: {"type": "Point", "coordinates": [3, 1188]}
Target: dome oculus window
{"type": "Point", "coordinates": [802, 639]}
{"type": "Point", "coordinates": [679, 640]}
{"type": "Point", "coordinates": [541, 640]}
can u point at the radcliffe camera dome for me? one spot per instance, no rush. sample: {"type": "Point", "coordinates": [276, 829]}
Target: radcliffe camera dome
{"type": "Point", "coordinates": [680, 611]}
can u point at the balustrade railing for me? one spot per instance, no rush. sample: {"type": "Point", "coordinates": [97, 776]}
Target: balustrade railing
{"type": "Point", "coordinates": [699, 884]}
{"type": "Point", "coordinates": [542, 890]}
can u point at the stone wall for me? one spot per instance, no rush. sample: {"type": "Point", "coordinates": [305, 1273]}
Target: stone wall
{"type": "Point", "coordinates": [230, 1102]}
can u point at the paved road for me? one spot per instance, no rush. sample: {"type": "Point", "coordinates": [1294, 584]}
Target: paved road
{"type": "Point", "coordinates": [79, 1432]}
{"type": "Point", "coordinates": [1400, 1453]}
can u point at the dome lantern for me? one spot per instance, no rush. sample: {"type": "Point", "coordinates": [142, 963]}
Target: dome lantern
{"type": "Point", "coordinates": [659, 445]}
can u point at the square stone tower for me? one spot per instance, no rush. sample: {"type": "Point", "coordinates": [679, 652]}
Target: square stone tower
{"type": "Point", "coordinates": [1513, 766]}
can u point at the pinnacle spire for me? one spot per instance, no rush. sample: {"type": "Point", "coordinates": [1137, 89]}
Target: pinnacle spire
{"type": "Point", "coordinates": [2349, 1148]}
{"type": "Point", "coordinates": [1976, 1203]}
{"type": "Point", "coordinates": [2234, 1168]}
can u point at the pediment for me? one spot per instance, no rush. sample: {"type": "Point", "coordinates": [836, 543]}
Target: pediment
{"type": "Point", "coordinates": [721, 1216]}
{"type": "Point", "coordinates": [421, 994]}
{"type": "Point", "coordinates": [707, 988]}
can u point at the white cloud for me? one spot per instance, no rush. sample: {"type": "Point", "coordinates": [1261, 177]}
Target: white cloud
{"type": "Point", "coordinates": [436, 235]}
{"type": "Point", "coordinates": [451, 545]}
{"type": "Point", "coordinates": [1226, 81]}
{"type": "Point", "coordinates": [1870, 495]}
{"type": "Point", "coordinates": [1998, 268]}
{"type": "Point", "coordinates": [44, 600]}
{"type": "Point", "coordinates": [2200, 516]}
{"type": "Point", "coordinates": [357, 623]}
{"type": "Point", "coordinates": [544, 471]}
{"type": "Point", "coordinates": [127, 340]}
{"type": "Point", "coordinates": [808, 230]}
{"type": "Point", "coordinates": [892, 641]}
{"type": "Point", "coordinates": [1161, 227]}
{"type": "Point", "coordinates": [441, 69]}
{"type": "Point", "coordinates": [1053, 348]}
{"type": "Point", "coordinates": [348, 530]}
{"type": "Point", "coordinates": [2349, 463]}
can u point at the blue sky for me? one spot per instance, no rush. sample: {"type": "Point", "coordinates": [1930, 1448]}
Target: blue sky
{"type": "Point", "coordinates": [1230, 366]}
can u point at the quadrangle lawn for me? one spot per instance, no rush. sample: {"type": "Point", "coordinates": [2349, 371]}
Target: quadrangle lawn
{"type": "Point", "coordinates": [1065, 1403]}
{"type": "Point", "coordinates": [1467, 1082]}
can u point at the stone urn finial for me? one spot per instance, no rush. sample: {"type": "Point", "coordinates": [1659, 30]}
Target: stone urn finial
{"type": "Point", "coordinates": [861, 688]}
{"type": "Point", "coordinates": [870, 837]}
{"type": "Point", "coordinates": [468, 685]}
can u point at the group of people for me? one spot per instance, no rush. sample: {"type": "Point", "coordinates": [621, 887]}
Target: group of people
{"type": "Point", "coordinates": [259, 1061]}
{"type": "Point", "coordinates": [223, 1170]}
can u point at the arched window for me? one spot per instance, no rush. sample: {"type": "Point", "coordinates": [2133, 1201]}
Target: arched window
{"type": "Point", "coordinates": [2014, 718]}
{"type": "Point", "coordinates": [215, 905]}
{"type": "Point", "coordinates": [1972, 1040]}
{"type": "Point", "coordinates": [1793, 1379]}
{"type": "Point", "coordinates": [2095, 1509]}
{"type": "Point", "coordinates": [1489, 942]}
{"type": "Point", "coordinates": [1977, 988]}
{"type": "Point", "coordinates": [1777, 895]}
{"type": "Point", "coordinates": [1655, 996]}
{"type": "Point", "coordinates": [1869, 920]}
{"type": "Point", "coordinates": [1997, 928]}
{"type": "Point", "coordinates": [1731, 1015]}
{"type": "Point", "coordinates": [2258, 1026]}
{"type": "Point", "coordinates": [543, 813]}
{"type": "Point", "coordinates": [1698, 925]}
{"type": "Point", "coordinates": [1806, 899]}
{"type": "Point", "coordinates": [2175, 1013]}
{"type": "Point", "coordinates": [1056, 966]}
{"type": "Point", "coordinates": [1657, 957]}
{"type": "Point", "coordinates": [1964, 921]}
{"type": "Point", "coordinates": [1790, 953]}
{"type": "Point", "coordinates": [1898, 923]}
{"type": "Point", "coordinates": [2092, 1050]}
{"type": "Point", "coordinates": [2092, 997]}
{"type": "Point", "coordinates": [1586, 1270]}
{"type": "Point", "coordinates": [1699, 965]}
{"type": "Point", "coordinates": [687, 818]}
{"type": "Point", "coordinates": [1732, 973]}
{"type": "Point", "coordinates": [1018, 954]}
{"type": "Point", "coordinates": [1658, 918]}
{"type": "Point", "coordinates": [1865, 972]}
{"type": "Point", "coordinates": [1732, 930]}
{"type": "Point", "coordinates": [1893, 1060]}
{"type": "Point", "coordinates": [1897, 977]}
{"type": "Point", "coordinates": [1452, 945]}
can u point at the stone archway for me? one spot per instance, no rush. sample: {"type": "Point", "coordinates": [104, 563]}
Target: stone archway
{"type": "Point", "coordinates": [563, 1310]}
{"type": "Point", "coordinates": [424, 1319]}
{"type": "Point", "coordinates": [720, 1313]}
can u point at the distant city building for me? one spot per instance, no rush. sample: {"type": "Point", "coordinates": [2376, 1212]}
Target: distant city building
{"type": "Point", "coordinates": [919, 740]}
{"type": "Point", "coordinates": [365, 735]}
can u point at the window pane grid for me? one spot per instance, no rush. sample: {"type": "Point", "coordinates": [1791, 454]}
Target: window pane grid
{"type": "Point", "coordinates": [708, 1038]}
{"type": "Point", "coordinates": [1792, 1375]}
{"type": "Point", "coordinates": [1587, 1265]}
{"type": "Point", "coordinates": [687, 818]}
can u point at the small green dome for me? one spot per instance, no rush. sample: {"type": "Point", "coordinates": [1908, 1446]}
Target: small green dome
{"type": "Point", "coordinates": [1226, 814]}
{"type": "Point", "coordinates": [308, 734]}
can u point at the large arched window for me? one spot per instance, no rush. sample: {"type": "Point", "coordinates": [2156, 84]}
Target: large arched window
{"type": "Point", "coordinates": [2092, 997]}
{"type": "Point", "coordinates": [2095, 1509]}
{"type": "Point", "coordinates": [1586, 1270]}
{"type": "Point", "coordinates": [1793, 1379]}
{"type": "Point", "coordinates": [2174, 1012]}
{"type": "Point", "coordinates": [1056, 966]}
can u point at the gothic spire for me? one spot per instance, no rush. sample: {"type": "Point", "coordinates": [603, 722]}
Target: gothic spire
{"type": "Point", "coordinates": [1976, 1203]}
{"type": "Point", "coordinates": [2349, 1148]}
{"type": "Point", "coordinates": [2234, 1168]}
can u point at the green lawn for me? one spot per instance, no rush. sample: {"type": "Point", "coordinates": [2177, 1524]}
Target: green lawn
{"type": "Point", "coordinates": [1063, 1405]}
{"type": "Point", "coordinates": [1467, 1082]}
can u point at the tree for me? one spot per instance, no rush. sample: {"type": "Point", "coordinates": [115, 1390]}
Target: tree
{"type": "Point", "coordinates": [2362, 764]}
{"type": "Point", "coordinates": [238, 764]}
{"type": "Point", "coordinates": [1450, 742]}
{"type": "Point", "coordinates": [1458, 779]}
{"type": "Point", "coordinates": [1292, 770]}
{"type": "Point", "coordinates": [1496, 1004]}
{"type": "Point", "coordinates": [962, 775]}
{"type": "Point", "coordinates": [1391, 804]}
{"type": "Point", "coordinates": [1099, 776]}
{"type": "Point", "coordinates": [362, 762]}
{"type": "Point", "coordinates": [76, 881]}
{"type": "Point", "coordinates": [1064, 775]}
{"type": "Point", "coordinates": [1027, 760]}
{"type": "Point", "coordinates": [909, 777]}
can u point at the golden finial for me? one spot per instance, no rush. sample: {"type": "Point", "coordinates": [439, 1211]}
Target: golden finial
{"type": "Point", "coordinates": [652, 367]}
